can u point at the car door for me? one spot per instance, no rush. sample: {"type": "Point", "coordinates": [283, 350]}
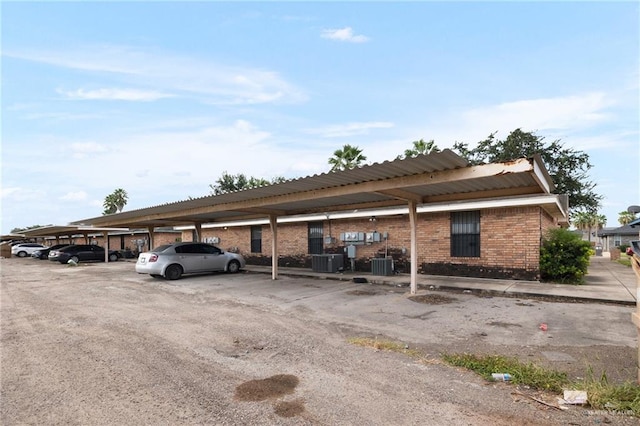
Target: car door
{"type": "Point", "coordinates": [85, 252]}
{"type": "Point", "coordinates": [190, 257]}
{"type": "Point", "coordinates": [213, 260]}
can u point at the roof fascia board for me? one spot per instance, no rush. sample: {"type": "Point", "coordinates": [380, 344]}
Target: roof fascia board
{"type": "Point", "coordinates": [535, 200]}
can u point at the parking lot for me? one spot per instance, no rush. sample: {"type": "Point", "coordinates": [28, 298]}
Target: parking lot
{"type": "Point", "coordinates": [100, 344]}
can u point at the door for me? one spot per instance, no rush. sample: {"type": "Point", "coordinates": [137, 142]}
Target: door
{"type": "Point", "coordinates": [214, 260]}
{"type": "Point", "coordinates": [191, 257]}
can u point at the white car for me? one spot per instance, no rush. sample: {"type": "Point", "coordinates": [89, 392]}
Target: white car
{"type": "Point", "coordinates": [171, 261]}
{"type": "Point", "coordinates": [26, 249]}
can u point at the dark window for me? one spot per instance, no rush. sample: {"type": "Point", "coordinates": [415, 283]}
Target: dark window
{"type": "Point", "coordinates": [465, 234]}
{"type": "Point", "coordinates": [256, 239]}
{"type": "Point", "coordinates": [315, 238]}
{"type": "Point", "coordinates": [209, 249]}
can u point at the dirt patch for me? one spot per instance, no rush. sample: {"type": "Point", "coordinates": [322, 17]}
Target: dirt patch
{"type": "Point", "coordinates": [289, 408]}
{"type": "Point", "coordinates": [433, 299]}
{"type": "Point", "coordinates": [362, 292]}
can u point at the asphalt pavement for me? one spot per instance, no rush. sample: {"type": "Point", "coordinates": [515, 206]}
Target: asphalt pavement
{"type": "Point", "coordinates": [607, 281]}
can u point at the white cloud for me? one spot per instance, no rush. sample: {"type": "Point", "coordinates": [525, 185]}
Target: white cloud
{"type": "Point", "coordinates": [541, 114]}
{"type": "Point", "coordinates": [114, 95]}
{"type": "Point", "coordinates": [83, 149]}
{"type": "Point", "coordinates": [349, 129]}
{"type": "Point", "coordinates": [16, 193]}
{"type": "Point", "coordinates": [74, 196]}
{"type": "Point", "coordinates": [169, 73]}
{"type": "Point", "coordinates": [344, 34]}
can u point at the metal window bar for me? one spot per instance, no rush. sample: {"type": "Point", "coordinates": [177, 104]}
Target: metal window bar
{"type": "Point", "coordinates": [465, 234]}
{"type": "Point", "coordinates": [315, 242]}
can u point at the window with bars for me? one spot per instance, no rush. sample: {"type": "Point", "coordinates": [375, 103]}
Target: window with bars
{"type": "Point", "coordinates": [256, 239]}
{"type": "Point", "coordinates": [465, 234]}
{"type": "Point", "coordinates": [316, 245]}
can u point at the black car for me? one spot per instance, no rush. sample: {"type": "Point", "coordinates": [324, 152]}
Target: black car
{"type": "Point", "coordinates": [43, 254]}
{"type": "Point", "coordinates": [82, 253]}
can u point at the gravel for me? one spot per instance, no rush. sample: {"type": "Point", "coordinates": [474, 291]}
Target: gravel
{"type": "Point", "coordinates": [98, 344]}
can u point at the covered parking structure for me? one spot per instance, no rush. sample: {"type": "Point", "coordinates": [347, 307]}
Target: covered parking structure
{"type": "Point", "coordinates": [442, 177]}
{"type": "Point", "coordinates": [70, 231]}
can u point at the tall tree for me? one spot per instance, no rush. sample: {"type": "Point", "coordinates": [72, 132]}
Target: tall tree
{"type": "Point", "coordinates": [568, 167]}
{"type": "Point", "coordinates": [587, 221]}
{"type": "Point", "coordinates": [626, 217]}
{"type": "Point", "coordinates": [231, 183]}
{"type": "Point", "coordinates": [115, 201]}
{"type": "Point", "coordinates": [349, 157]}
{"type": "Point", "coordinates": [420, 147]}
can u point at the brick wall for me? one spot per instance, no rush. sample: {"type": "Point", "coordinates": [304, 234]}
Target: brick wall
{"type": "Point", "coordinates": [509, 243]}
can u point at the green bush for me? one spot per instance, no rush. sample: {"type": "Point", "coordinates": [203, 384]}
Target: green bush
{"type": "Point", "coordinates": [564, 257]}
{"type": "Point", "coordinates": [623, 248]}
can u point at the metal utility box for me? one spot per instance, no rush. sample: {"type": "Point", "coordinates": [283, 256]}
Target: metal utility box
{"type": "Point", "coordinates": [382, 266]}
{"type": "Point", "coordinates": [326, 262]}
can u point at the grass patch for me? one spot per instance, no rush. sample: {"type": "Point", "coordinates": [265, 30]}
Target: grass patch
{"type": "Point", "coordinates": [620, 399]}
{"type": "Point", "coordinates": [521, 374]}
{"type": "Point", "coordinates": [386, 345]}
{"type": "Point", "coordinates": [624, 260]}
{"type": "Point", "coordinates": [624, 399]}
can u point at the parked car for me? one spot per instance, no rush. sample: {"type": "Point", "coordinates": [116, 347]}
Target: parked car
{"type": "Point", "coordinates": [171, 261]}
{"type": "Point", "coordinates": [82, 253]}
{"type": "Point", "coordinates": [43, 254]}
{"type": "Point", "coordinates": [25, 249]}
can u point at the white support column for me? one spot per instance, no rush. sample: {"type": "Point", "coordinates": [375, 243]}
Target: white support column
{"type": "Point", "coordinates": [105, 235]}
{"type": "Point", "coordinates": [413, 219]}
{"type": "Point", "coordinates": [273, 224]}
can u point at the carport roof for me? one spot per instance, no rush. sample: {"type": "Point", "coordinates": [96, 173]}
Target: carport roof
{"type": "Point", "coordinates": [66, 230]}
{"type": "Point", "coordinates": [437, 177]}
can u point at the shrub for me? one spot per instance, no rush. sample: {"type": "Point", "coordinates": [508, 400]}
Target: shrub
{"type": "Point", "coordinates": [564, 257]}
{"type": "Point", "coordinates": [623, 248]}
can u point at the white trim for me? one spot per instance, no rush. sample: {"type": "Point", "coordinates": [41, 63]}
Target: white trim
{"type": "Point", "coordinates": [534, 200]}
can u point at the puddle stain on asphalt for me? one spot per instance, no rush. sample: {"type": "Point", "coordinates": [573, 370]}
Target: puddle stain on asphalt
{"type": "Point", "coordinates": [362, 292]}
{"type": "Point", "coordinates": [271, 388]}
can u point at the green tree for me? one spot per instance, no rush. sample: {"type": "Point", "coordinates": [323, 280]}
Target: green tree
{"type": "Point", "coordinates": [420, 147]}
{"type": "Point", "coordinates": [349, 157]}
{"type": "Point", "coordinates": [115, 201]}
{"type": "Point", "coordinates": [626, 217]}
{"type": "Point", "coordinates": [587, 221]}
{"type": "Point", "coordinates": [567, 167]}
{"type": "Point", "coordinates": [231, 183]}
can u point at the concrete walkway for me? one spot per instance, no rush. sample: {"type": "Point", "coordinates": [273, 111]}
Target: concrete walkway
{"type": "Point", "coordinates": [606, 282]}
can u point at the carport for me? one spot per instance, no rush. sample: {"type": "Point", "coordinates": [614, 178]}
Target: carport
{"type": "Point", "coordinates": [442, 177]}
{"type": "Point", "coordinates": [71, 230]}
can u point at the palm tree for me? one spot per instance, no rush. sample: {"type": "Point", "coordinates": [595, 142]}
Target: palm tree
{"type": "Point", "coordinates": [586, 221]}
{"type": "Point", "coordinates": [420, 147]}
{"type": "Point", "coordinates": [626, 217]}
{"type": "Point", "coordinates": [348, 157]}
{"type": "Point", "coordinates": [115, 201]}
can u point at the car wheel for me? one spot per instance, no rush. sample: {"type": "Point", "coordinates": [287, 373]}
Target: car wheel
{"type": "Point", "coordinates": [75, 259]}
{"type": "Point", "coordinates": [22, 254]}
{"type": "Point", "coordinates": [113, 257]}
{"type": "Point", "coordinates": [173, 272]}
{"type": "Point", "coordinates": [233, 267]}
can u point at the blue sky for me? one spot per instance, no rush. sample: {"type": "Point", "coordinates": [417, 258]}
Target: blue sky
{"type": "Point", "coordinates": [161, 98]}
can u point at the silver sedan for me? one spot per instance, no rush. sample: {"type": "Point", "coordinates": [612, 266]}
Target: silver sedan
{"type": "Point", "coordinates": [171, 261]}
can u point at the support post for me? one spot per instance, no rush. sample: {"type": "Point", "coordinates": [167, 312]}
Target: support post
{"type": "Point", "coordinates": [273, 224]}
{"type": "Point", "coordinates": [413, 219]}
{"type": "Point", "coordinates": [151, 242]}
{"type": "Point", "coordinates": [198, 227]}
{"type": "Point", "coordinates": [105, 235]}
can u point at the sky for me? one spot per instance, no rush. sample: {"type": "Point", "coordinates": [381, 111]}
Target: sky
{"type": "Point", "coordinates": [162, 98]}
